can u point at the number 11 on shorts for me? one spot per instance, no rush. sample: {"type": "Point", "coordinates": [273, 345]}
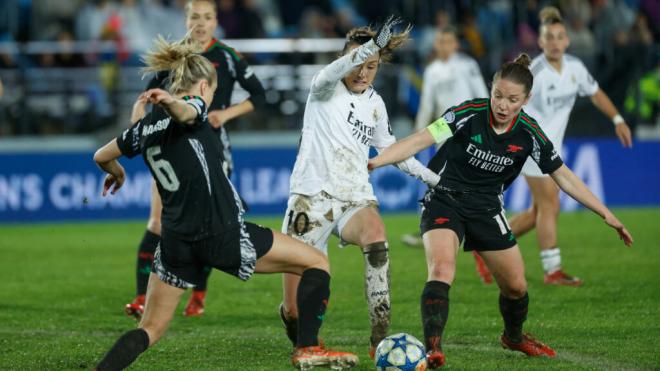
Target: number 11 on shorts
{"type": "Point", "coordinates": [502, 222]}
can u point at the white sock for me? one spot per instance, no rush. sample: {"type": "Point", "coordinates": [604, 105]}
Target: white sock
{"type": "Point", "coordinates": [377, 289]}
{"type": "Point", "coordinates": [551, 260]}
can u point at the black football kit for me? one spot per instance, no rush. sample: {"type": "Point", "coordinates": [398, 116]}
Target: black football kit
{"type": "Point", "coordinates": [231, 67]}
{"type": "Point", "coordinates": [476, 165]}
{"type": "Point", "coordinates": [202, 217]}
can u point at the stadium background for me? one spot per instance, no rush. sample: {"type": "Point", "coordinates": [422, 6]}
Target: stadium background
{"type": "Point", "coordinates": [69, 69]}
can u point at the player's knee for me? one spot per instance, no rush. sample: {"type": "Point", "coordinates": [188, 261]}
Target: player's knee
{"type": "Point", "coordinates": [515, 290]}
{"type": "Point", "coordinates": [373, 234]}
{"type": "Point", "coordinates": [319, 261]}
{"type": "Point", "coordinates": [440, 270]}
{"type": "Point", "coordinates": [376, 254]}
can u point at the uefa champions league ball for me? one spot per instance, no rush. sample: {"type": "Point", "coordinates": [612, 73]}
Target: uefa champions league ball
{"type": "Point", "coordinates": [400, 352]}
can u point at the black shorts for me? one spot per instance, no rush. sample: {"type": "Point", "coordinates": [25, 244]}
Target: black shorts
{"type": "Point", "coordinates": [479, 219]}
{"type": "Point", "coordinates": [181, 263]}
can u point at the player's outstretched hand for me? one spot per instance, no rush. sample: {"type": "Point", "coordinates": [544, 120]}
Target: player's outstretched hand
{"type": "Point", "coordinates": [113, 182]}
{"type": "Point", "coordinates": [158, 96]}
{"type": "Point", "coordinates": [386, 30]}
{"type": "Point", "coordinates": [624, 235]}
{"type": "Point", "coordinates": [623, 133]}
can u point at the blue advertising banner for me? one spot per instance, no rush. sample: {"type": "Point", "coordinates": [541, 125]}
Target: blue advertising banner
{"type": "Point", "coordinates": [66, 186]}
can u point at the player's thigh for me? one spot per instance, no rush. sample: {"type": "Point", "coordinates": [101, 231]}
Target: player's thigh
{"type": "Point", "coordinates": [162, 300]}
{"type": "Point", "coordinates": [363, 227]}
{"type": "Point", "coordinates": [440, 249]}
{"type": "Point", "coordinates": [508, 268]}
{"type": "Point", "coordinates": [544, 190]}
{"type": "Point", "coordinates": [289, 255]}
{"type": "Point", "coordinates": [310, 219]}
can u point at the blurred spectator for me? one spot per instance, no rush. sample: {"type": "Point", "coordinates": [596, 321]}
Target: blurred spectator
{"type": "Point", "coordinates": [270, 15]}
{"type": "Point", "coordinates": [166, 18]}
{"type": "Point", "coordinates": [49, 18]}
{"type": "Point", "coordinates": [315, 24]}
{"type": "Point", "coordinates": [495, 25]}
{"type": "Point", "coordinates": [631, 49]}
{"type": "Point", "coordinates": [470, 32]}
{"type": "Point", "coordinates": [652, 9]}
{"type": "Point", "coordinates": [64, 57]}
{"type": "Point", "coordinates": [610, 17]}
{"type": "Point", "coordinates": [643, 100]}
{"type": "Point", "coordinates": [583, 44]}
{"type": "Point", "coordinates": [133, 27]}
{"type": "Point", "coordinates": [91, 19]}
{"type": "Point", "coordinates": [427, 37]}
{"type": "Point", "coordinates": [229, 18]}
{"type": "Point", "coordinates": [9, 19]}
{"type": "Point", "coordinates": [252, 26]}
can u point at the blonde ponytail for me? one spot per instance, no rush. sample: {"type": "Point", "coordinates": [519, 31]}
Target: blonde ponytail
{"type": "Point", "coordinates": [182, 59]}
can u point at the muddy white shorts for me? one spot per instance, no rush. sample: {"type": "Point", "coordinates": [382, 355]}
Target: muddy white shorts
{"type": "Point", "coordinates": [312, 219]}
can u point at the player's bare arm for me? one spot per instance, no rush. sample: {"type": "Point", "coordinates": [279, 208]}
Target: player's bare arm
{"type": "Point", "coordinates": [106, 158]}
{"type": "Point", "coordinates": [403, 149]}
{"type": "Point", "coordinates": [574, 187]}
{"type": "Point", "coordinates": [139, 109]}
{"type": "Point", "coordinates": [605, 105]}
{"type": "Point", "coordinates": [177, 108]}
{"type": "Point", "coordinates": [217, 118]}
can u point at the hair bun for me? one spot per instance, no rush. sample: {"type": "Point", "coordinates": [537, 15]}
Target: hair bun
{"type": "Point", "coordinates": [524, 60]}
{"type": "Point", "coordinates": [550, 15]}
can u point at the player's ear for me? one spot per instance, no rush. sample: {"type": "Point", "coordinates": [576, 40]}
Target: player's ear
{"type": "Point", "coordinates": [529, 96]}
{"type": "Point", "coordinates": [203, 86]}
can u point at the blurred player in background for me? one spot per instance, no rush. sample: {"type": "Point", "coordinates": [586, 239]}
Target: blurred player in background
{"type": "Point", "coordinates": [231, 67]}
{"type": "Point", "coordinates": [558, 79]}
{"type": "Point", "coordinates": [203, 222]}
{"type": "Point", "coordinates": [330, 191]}
{"type": "Point", "coordinates": [451, 78]}
{"type": "Point", "coordinates": [486, 143]}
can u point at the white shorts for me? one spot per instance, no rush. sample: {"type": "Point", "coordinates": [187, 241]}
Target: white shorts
{"type": "Point", "coordinates": [311, 219]}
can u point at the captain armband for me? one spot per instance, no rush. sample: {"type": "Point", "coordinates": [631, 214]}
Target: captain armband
{"type": "Point", "coordinates": [440, 130]}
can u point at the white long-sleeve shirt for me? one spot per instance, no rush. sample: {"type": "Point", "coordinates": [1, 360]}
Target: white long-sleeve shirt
{"type": "Point", "coordinates": [338, 128]}
{"type": "Point", "coordinates": [448, 83]}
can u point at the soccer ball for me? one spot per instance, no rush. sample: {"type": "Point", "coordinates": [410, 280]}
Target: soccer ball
{"type": "Point", "coordinates": [400, 352]}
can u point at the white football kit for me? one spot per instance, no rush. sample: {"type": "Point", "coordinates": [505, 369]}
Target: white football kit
{"type": "Point", "coordinates": [446, 84]}
{"type": "Point", "coordinates": [330, 175]}
{"type": "Point", "coordinates": [553, 97]}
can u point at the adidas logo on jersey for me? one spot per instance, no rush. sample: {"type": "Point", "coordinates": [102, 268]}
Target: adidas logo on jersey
{"type": "Point", "coordinates": [476, 138]}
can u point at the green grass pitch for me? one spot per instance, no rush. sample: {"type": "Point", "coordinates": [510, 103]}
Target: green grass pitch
{"type": "Point", "coordinates": [63, 288]}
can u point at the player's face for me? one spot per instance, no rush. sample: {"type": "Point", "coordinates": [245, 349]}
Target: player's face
{"type": "Point", "coordinates": [506, 100]}
{"type": "Point", "coordinates": [201, 18]}
{"type": "Point", "coordinates": [445, 45]}
{"type": "Point", "coordinates": [361, 77]}
{"type": "Point", "coordinates": [554, 41]}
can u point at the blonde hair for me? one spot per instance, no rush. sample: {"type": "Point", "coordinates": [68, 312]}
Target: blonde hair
{"type": "Point", "coordinates": [190, 3]}
{"type": "Point", "coordinates": [550, 15]}
{"type": "Point", "coordinates": [182, 59]}
{"type": "Point", "coordinates": [517, 72]}
{"type": "Point", "coordinates": [361, 35]}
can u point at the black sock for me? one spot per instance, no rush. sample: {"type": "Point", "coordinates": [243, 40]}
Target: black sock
{"type": "Point", "coordinates": [127, 348]}
{"type": "Point", "coordinates": [435, 310]}
{"type": "Point", "coordinates": [514, 313]}
{"type": "Point", "coordinates": [313, 294]}
{"type": "Point", "coordinates": [201, 286]}
{"type": "Point", "coordinates": [145, 259]}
